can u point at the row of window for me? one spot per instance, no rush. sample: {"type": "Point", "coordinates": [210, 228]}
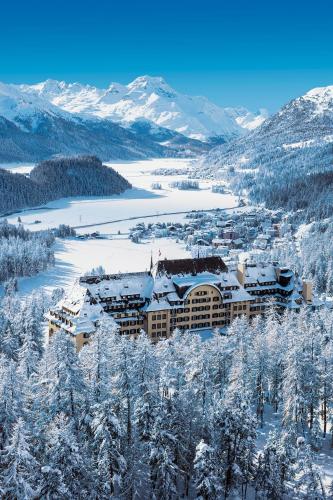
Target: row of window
{"type": "Point", "coordinates": [198, 301]}
{"type": "Point", "coordinates": [157, 326]}
{"type": "Point", "coordinates": [122, 314]}
{"type": "Point", "coordinates": [200, 316]}
{"type": "Point", "coordinates": [201, 325]}
{"type": "Point", "coordinates": [158, 317]}
{"type": "Point", "coordinates": [200, 308]}
{"type": "Point", "coordinates": [132, 330]}
{"type": "Point", "coordinates": [220, 315]}
{"type": "Point", "coordinates": [240, 308]}
{"type": "Point", "coordinates": [181, 320]}
{"type": "Point", "coordinates": [221, 306]}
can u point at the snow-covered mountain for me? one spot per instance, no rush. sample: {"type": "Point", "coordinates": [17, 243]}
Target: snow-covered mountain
{"type": "Point", "coordinates": [32, 128]}
{"type": "Point", "coordinates": [295, 143]}
{"type": "Point", "coordinates": [153, 99]}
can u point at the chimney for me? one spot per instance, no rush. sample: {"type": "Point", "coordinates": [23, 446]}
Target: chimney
{"type": "Point", "coordinates": [241, 269]}
{"type": "Point", "coordinates": [307, 291]}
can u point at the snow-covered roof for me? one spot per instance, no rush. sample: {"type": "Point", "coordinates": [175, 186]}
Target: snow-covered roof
{"type": "Point", "coordinates": [239, 295]}
{"type": "Point", "coordinates": [120, 285]}
{"type": "Point", "coordinates": [158, 305]}
{"type": "Point", "coordinates": [260, 274]}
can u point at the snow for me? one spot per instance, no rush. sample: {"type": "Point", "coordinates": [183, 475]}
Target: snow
{"type": "Point", "coordinates": [322, 97]}
{"type": "Point", "coordinates": [17, 105]}
{"type": "Point", "coordinates": [18, 168]}
{"type": "Point", "coordinates": [150, 98]}
{"type": "Point", "coordinates": [142, 200]}
{"type": "Point", "coordinates": [118, 254]}
{"type": "Point", "coordinates": [74, 258]}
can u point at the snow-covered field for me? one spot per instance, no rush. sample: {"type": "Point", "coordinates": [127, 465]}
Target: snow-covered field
{"type": "Point", "coordinates": [18, 168]}
{"type": "Point", "coordinates": [75, 257]}
{"type": "Point", "coordinates": [141, 200]}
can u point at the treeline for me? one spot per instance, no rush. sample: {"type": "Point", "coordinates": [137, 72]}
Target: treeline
{"type": "Point", "coordinates": [185, 184]}
{"type": "Point", "coordinates": [23, 253]}
{"type": "Point", "coordinates": [180, 419]}
{"type": "Point", "coordinates": [58, 178]}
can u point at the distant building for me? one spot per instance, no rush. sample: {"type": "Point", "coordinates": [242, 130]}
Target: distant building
{"type": "Point", "coordinates": [189, 294]}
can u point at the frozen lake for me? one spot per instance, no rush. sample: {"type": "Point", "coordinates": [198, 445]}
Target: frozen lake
{"type": "Point", "coordinates": [76, 257]}
{"type": "Point", "coordinates": [141, 200]}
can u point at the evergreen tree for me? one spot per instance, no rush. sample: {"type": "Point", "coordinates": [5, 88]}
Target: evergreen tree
{"type": "Point", "coordinates": [11, 398]}
{"type": "Point", "coordinates": [206, 473]}
{"type": "Point", "coordinates": [18, 465]}
{"type": "Point", "coordinates": [309, 483]}
{"type": "Point", "coordinates": [110, 465]}
{"type": "Point", "coordinates": [163, 468]}
{"type": "Point", "coordinates": [275, 467]}
{"type": "Point", "coordinates": [66, 470]}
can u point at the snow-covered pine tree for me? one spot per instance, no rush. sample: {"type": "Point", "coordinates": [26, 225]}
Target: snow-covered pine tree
{"type": "Point", "coordinates": [309, 483]}
{"type": "Point", "coordinates": [162, 460]}
{"type": "Point", "coordinates": [62, 390]}
{"type": "Point", "coordinates": [260, 366]}
{"type": "Point", "coordinates": [234, 426]}
{"type": "Point", "coordinates": [11, 398]}
{"type": "Point", "coordinates": [66, 469]}
{"type": "Point", "coordinates": [19, 467]}
{"type": "Point", "coordinates": [275, 467]}
{"type": "Point", "coordinates": [110, 464]}
{"type": "Point", "coordinates": [206, 473]}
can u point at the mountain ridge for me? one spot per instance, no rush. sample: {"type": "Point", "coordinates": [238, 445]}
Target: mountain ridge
{"type": "Point", "coordinates": [33, 129]}
{"type": "Point", "coordinates": [150, 98]}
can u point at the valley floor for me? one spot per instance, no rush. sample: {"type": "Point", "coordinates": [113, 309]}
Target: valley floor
{"type": "Point", "coordinates": [116, 252]}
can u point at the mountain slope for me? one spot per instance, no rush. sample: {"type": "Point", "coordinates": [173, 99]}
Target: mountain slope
{"type": "Point", "coordinates": [32, 129]}
{"type": "Point", "coordinates": [153, 99]}
{"type": "Point", "coordinates": [289, 149]}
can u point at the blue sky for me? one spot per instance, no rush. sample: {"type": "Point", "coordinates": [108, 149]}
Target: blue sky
{"type": "Point", "coordinates": [237, 52]}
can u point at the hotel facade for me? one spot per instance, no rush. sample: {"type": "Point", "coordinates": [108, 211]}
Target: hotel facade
{"type": "Point", "coordinates": [189, 294]}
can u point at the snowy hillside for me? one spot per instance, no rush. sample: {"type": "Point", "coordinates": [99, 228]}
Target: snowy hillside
{"type": "Point", "coordinates": [153, 99]}
{"type": "Point", "coordinates": [287, 152]}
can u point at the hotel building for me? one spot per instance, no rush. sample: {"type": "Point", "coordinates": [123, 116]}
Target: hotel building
{"type": "Point", "coordinates": [190, 294]}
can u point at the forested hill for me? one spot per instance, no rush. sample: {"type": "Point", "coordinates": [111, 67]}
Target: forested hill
{"type": "Point", "coordinates": [288, 161]}
{"type": "Point", "coordinates": [59, 178]}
